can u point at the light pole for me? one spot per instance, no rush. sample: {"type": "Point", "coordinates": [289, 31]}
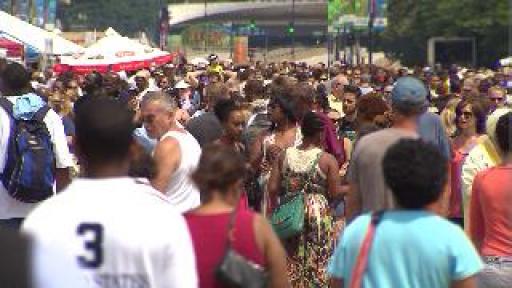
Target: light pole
{"type": "Point", "coordinates": [371, 20]}
{"type": "Point", "coordinates": [231, 40]}
{"type": "Point", "coordinates": [205, 27]}
{"type": "Point", "coordinates": [13, 7]}
{"type": "Point", "coordinates": [159, 17]}
{"type": "Point", "coordinates": [293, 31]}
{"type": "Point", "coordinates": [510, 28]}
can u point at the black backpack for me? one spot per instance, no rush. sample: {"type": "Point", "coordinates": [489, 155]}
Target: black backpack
{"type": "Point", "coordinates": [29, 172]}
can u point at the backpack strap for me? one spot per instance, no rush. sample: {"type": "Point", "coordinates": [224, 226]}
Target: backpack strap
{"type": "Point", "coordinates": [7, 105]}
{"type": "Point", "coordinates": [41, 113]}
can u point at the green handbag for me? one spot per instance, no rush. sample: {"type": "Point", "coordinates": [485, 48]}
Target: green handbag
{"type": "Point", "coordinates": [288, 219]}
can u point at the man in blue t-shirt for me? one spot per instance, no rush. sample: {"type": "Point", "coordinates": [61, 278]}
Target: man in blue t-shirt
{"type": "Point", "coordinates": [412, 246]}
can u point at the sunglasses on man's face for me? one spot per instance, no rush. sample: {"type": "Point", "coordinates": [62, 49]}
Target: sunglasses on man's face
{"type": "Point", "coordinates": [497, 99]}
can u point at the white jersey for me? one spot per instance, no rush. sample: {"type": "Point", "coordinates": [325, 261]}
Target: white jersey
{"type": "Point", "coordinates": [181, 191]}
{"type": "Point", "coordinates": [120, 231]}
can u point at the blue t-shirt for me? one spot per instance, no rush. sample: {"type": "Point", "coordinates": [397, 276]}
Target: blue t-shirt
{"type": "Point", "coordinates": [431, 130]}
{"type": "Point", "coordinates": [410, 249]}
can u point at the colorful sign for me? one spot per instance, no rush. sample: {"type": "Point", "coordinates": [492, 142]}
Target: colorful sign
{"type": "Point", "coordinates": [51, 14]}
{"type": "Point", "coordinates": [39, 12]}
{"type": "Point", "coordinates": [356, 13]}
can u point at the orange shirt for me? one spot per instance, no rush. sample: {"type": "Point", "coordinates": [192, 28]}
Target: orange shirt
{"type": "Point", "coordinates": [491, 211]}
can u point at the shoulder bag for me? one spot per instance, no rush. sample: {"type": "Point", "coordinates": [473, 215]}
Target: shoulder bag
{"type": "Point", "coordinates": [235, 271]}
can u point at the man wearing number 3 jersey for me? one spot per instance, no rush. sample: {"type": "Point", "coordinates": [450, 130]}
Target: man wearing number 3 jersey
{"type": "Point", "coordinates": [120, 231]}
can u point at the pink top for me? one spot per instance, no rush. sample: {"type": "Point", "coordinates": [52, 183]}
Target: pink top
{"type": "Point", "coordinates": [456, 163]}
{"type": "Point", "coordinates": [455, 208]}
{"type": "Point", "coordinates": [491, 211]}
{"type": "Point", "coordinates": [209, 236]}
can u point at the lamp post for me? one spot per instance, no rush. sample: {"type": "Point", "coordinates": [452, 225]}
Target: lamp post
{"type": "Point", "coordinates": [206, 26]}
{"type": "Point", "coordinates": [371, 21]}
{"type": "Point", "coordinates": [293, 30]}
{"type": "Point", "coordinates": [159, 23]}
{"type": "Point", "coordinates": [510, 28]}
{"type": "Point", "coordinates": [13, 7]}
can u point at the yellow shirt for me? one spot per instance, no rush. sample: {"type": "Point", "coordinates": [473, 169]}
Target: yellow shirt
{"type": "Point", "coordinates": [217, 68]}
{"type": "Point", "coordinates": [336, 104]}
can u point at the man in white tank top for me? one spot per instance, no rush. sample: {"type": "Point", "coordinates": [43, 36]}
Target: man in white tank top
{"type": "Point", "coordinates": [176, 154]}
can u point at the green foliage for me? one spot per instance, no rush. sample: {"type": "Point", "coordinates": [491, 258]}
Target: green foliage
{"type": "Point", "coordinates": [333, 10]}
{"type": "Point", "coordinates": [126, 16]}
{"type": "Point", "coordinates": [412, 22]}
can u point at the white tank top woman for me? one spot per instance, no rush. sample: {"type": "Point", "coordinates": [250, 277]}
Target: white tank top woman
{"type": "Point", "coordinates": [182, 192]}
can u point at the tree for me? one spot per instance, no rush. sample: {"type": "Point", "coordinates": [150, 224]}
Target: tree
{"type": "Point", "coordinates": [412, 22]}
{"type": "Point", "coordinates": [127, 16]}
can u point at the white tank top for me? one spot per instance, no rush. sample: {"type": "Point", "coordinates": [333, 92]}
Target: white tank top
{"type": "Point", "coordinates": [182, 192]}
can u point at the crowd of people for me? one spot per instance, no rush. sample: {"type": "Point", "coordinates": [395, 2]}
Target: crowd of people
{"type": "Point", "coordinates": [262, 175]}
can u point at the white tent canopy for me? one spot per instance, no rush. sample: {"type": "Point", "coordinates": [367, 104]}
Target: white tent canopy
{"type": "Point", "coordinates": [34, 36]}
{"type": "Point", "coordinates": [122, 53]}
{"type": "Point", "coordinates": [506, 61]}
{"type": "Point", "coordinates": [115, 48]}
{"type": "Point", "coordinates": [198, 61]}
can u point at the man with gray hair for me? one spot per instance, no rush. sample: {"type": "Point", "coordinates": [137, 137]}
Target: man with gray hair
{"type": "Point", "coordinates": [336, 96]}
{"type": "Point", "coordinates": [176, 154]}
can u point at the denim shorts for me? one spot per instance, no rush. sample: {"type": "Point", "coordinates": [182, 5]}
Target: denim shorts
{"type": "Point", "coordinates": [497, 272]}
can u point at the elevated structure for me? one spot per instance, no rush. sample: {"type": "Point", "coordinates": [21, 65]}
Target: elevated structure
{"type": "Point", "coordinates": [274, 15]}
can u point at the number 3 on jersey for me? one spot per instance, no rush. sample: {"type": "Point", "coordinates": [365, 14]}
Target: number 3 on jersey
{"type": "Point", "coordinates": [93, 244]}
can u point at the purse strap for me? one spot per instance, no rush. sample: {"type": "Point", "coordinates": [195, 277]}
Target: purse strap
{"type": "Point", "coordinates": [231, 226]}
{"type": "Point", "coordinates": [362, 259]}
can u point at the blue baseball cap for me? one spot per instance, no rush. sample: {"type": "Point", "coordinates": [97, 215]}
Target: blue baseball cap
{"type": "Point", "coordinates": [410, 92]}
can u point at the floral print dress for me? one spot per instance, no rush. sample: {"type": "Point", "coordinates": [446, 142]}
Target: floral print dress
{"type": "Point", "coordinates": [266, 207]}
{"type": "Point", "coordinates": [308, 253]}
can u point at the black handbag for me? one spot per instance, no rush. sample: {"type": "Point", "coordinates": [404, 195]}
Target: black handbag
{"type": "Point", "coordinates": [235, 271]}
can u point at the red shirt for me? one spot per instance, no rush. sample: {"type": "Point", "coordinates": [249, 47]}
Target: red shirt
{"type": "Point", "coordinates": [209, 236]}
{"type": "Point", "coordinates": [491, 211]}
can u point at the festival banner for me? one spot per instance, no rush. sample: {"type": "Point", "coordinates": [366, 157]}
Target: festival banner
{"type": "Point", "coordinates": [356, 13]}
{"type": "Point", "coordinates": [39, 12]}
{"type": "Point", "coordinates": [51, 14]}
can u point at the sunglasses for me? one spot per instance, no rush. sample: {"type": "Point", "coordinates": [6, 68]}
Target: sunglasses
{"type": "Point", "coordinates": [467, 115]}
{"type": "Point", "coordinates": [497, 99]}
